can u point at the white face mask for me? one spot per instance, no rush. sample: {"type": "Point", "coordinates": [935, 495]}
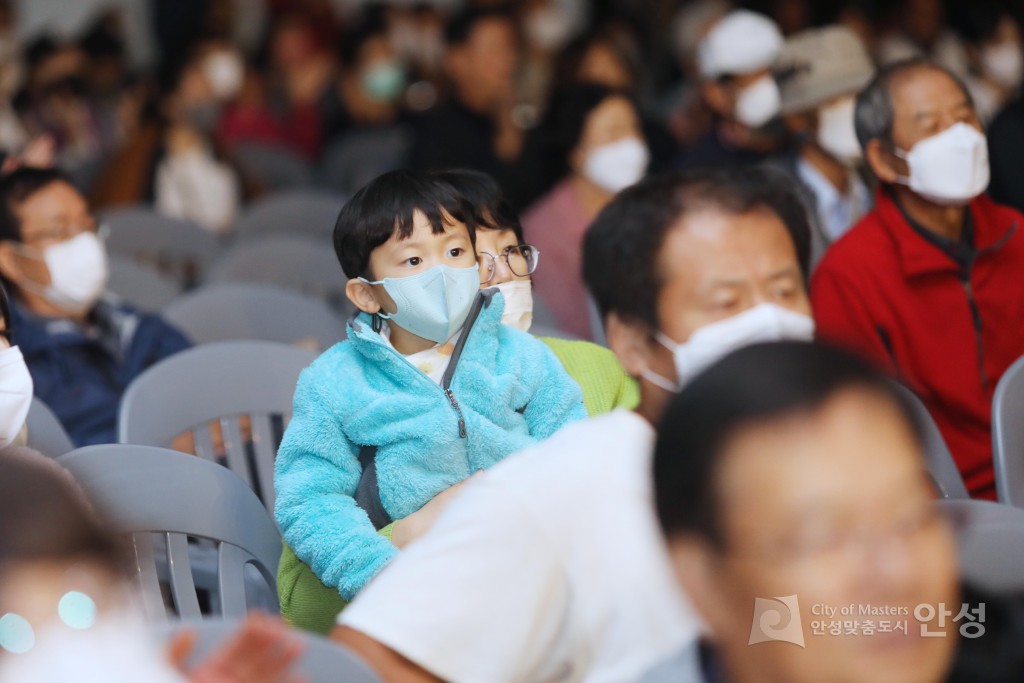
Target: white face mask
{"type": "Point", "coordinates": [78, 272]}
{"type": "Point", "coordinates": [762, 323]}
{"type": "Point", "coordinates": [617, 165]}
{"type": "Point", "coordinates": [518, 295]}
{"type": "Point", "coordinates": [15, 394]}
{"type": "Point", "coordinates": [758, 103]}
{"type": "Point", "coordinates": [836, 132]}
{"type": "Point", "coordinates": [113, 650]}
{"type": "Point", "coordinates": [225, 72]}
{"type": "Point", "coordinates": [1004, 64]}
{"type": "Point", "coordinates": [548, 28]}
{"type": "Point", "coordinates": [949, 168]}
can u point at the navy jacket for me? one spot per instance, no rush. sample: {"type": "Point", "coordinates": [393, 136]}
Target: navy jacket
{"type": "Point", "coordinates": [81, 373]}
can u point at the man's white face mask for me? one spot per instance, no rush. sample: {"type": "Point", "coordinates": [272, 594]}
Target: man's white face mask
{"type": "Point", "coordinates": [836, 132]}
{"type": "Point", "coordinates": [762, 323]}
{"type": "Point", "coordinates": [78, 272]}
{"type": "Point", "coordinates": [949, 168]}
{"type": "Point", "coordinates": [758, 103]}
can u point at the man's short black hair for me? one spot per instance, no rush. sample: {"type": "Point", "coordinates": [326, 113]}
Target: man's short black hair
{"type": "Point", "coordinates": [385, 207]}
{"type": "Point", "coordinates": [460, 26]}
{"type": "Point", "coordinates": [484, 196]}
{"type": "Point", "coordinates": [15, 188]}
{"type": "Point", "coordinates": [754, 385]}
{"type": "Point", "coordinates": [620, 250]}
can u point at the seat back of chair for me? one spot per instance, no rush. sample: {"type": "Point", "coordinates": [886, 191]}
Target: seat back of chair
{"type": "Point", "coordinates": [1008, 435]}
{"type": "Point", "coordinates": [157, 494]}
{"type": "Point", "coordinates": [234, 398]}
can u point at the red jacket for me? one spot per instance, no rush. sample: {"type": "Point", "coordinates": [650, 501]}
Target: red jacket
{"type": "Point", "coordinates": [889, 294]}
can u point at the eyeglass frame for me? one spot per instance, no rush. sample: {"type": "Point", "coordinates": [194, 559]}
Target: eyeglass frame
{"type": "Point", "coordinates": [505, 253]}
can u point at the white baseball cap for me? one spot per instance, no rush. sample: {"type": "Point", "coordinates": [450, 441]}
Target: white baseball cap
{"type": "Point", "coordinates": [741, 42]}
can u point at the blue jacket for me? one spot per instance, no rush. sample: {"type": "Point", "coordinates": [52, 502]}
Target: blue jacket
{"type": "Point", "coordinates": [80, 374]}
{"type": "Point", "coordinates": [507, 391]}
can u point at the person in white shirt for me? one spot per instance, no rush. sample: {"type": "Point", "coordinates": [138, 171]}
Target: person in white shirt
{"type": "Point", "coordinates": [820, 72]}
{"type": "Point", "coordinates": [549, 567]}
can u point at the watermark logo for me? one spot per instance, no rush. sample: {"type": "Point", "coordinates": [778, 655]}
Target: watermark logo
{"type": "Point", "coordinates": [776, 619]}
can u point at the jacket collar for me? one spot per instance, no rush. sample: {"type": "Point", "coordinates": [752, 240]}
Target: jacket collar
{"type": "Point", "coordinates": [993, 226]}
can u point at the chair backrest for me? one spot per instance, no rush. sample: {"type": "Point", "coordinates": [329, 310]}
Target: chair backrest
{"type": "Point", "coordinates": [322, 661]}
{"type": "Point", "coordinates": [250, 311]}
{"type": "Point", "coordinates": [991, 544]}
{"type": "Point", "coordinates": [45, 432]}
{"type": "Point", "coordinates": [178, 248]}
{"type": "Point", "coordinates": [271, 167]}
{"type": "Point", "coordinates": [246, 388]}
{"type": "Point", "coordinates": [1008, 435]}
{"type": "Point", "coordinates": [143, 286]}
{"type": "Point", "coordinates": [299, 212]}
{"type": "Point", "coordinates": [154, 492]}
{"type": "Point", "coordinates": [941, 465]}
{"type": "Point", "coordinates": [293, 261]}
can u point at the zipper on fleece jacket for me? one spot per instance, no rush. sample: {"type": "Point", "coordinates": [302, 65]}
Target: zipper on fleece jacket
{"type": "Point", "coordinates": [446, 379]}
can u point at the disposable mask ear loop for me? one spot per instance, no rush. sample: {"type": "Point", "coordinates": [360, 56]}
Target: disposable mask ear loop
{"type": "Point", "coordinates": [905, 156]}
{"type": "Point", "coordinates": [379, 315]}
{"type": "Point", "coordinates": [659, 381]}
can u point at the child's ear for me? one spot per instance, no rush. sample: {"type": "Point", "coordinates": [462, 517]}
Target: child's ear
{"type": "Point", "coordinates": [361, 295]}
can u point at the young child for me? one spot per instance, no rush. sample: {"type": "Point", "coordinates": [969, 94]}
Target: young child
{"type": "Point", "coordinates": [428, 389]}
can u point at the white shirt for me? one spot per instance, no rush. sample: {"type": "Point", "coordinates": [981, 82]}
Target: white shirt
{"type": "Point", "coordinates": [549, 567]}
{"type": "Point", "coordinates": [836, 212]}
{"type": "Point", "coordinates": [431, 362]}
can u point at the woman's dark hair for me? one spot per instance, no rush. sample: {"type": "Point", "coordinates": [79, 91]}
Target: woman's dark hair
{"type": "Point", "coordinates": [44, 516]}
{"type": "Point", "coordinates": [485, 198]}
{"type": "Point", "coordinates": [566, 120]}
{"type": "Point", "coordinates": [385, 207]}
{"type": "Point", "coordinates": [755, 385]}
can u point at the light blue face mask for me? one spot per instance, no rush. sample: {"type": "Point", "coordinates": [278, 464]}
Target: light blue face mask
{"type": "Point", "coordinates": [384, 81]}
{"type": "Point", "coordinates": [433, 304]}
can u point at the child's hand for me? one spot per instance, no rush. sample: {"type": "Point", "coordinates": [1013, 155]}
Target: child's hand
{"type": "Point", "coordinates": [418, 523]}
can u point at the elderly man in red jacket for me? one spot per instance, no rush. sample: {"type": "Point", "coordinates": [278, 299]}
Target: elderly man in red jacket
{"type": "Point", "coordinates": [930, 285]}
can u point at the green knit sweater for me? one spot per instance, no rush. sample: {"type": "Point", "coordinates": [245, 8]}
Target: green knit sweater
{"type": "Point", "coordinates": [307, 603]}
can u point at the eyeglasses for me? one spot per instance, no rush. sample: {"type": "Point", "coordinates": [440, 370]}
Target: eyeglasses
{"type": "Point", "coordinates": [521, 261]}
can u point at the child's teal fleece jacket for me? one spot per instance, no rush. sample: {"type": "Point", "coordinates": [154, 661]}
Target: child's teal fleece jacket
{"type": "Point", "coordinates": [511, 391]}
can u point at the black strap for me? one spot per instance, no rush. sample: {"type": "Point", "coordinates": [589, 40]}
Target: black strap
{"type": "Point", "coordinates": [368, 492]}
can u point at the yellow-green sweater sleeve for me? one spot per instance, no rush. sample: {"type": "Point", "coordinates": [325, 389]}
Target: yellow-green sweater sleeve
{"type": "Point", "coordinates": [605, 383]}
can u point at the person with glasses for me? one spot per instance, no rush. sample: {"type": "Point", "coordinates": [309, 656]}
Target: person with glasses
{"type": "Point", "coordinates": [793, 469]}
{"type": "Point", "coordinates": [82, 345]}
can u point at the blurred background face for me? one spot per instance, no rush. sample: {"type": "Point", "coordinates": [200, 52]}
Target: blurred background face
{"type": "Point", "coordinates": [484, 66]}
{"type": "Point", "coordinates": [835, 507]}
{"type": "Point", "coordinates": [613, 120]}
{"type": "Point", "coordinates": [602, 64]}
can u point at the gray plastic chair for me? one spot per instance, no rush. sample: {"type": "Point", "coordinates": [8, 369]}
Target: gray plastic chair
{"type": "Point", "coordinates": [219, 382]}
{"type": "Point", "coordinates": [45, 432]}
{"type": "Point", "coordinates": [991, 544]}
{"type": "Point", "coordinates": [271, 167]}
{"type": "Point", "coordinates": [292, 261]}
{"type": "Point", "coordinates": [155, 493]}
{"type": "Point", "coordinates": [941, 465]}
{"type": "Point", "coordinates": [298, 212]}
{"type": "Point", "coordinates": [322, 661]}
{"type": "Point", "coordinates": [1008, 435]}
{"type": "Point", "coordinates": [144, 287]}
{"type": "Point", "coordinates": [249, 311]}
{"type": "Point", "coordinates": [179, 248]}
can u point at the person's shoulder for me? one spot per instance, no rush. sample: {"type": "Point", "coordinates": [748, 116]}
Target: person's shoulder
{"type": "Point", "coordinates": [554, 202]}
{"type": "Point", "coordinates": [859, 248]}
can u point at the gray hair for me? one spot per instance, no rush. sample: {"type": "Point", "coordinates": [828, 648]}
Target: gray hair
{"type": "Point", "coordinates": [873, 114]}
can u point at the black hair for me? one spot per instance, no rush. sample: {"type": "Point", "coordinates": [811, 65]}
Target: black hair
{"type": "Point", "coordinates": [44, 516]}
{"type": "Point", "coordinates": [460, 26]}
{"type": "Point", "coordinates": [977, 21]}
{"type": "Point", "coordinates": [567, 118]}
{"type": "Point", "coordinates": [5, 313]}
{"type": "Point", "coordinates": [484, 196]}
{"type": "Point", "coordinates": [873, 113]}
{"type": "Point", "coordinates": [385, 207]}
{"type": "Point", "coordinates": [621, 267]}
{"type": "Point", "coordinates": [572, 56]}
{"type": "Point", "coordinates": [755, 385]}
{"type": "Point", "coordinates": [15, 188]}
{"type": "Point", "coordinates": [355, 38]}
